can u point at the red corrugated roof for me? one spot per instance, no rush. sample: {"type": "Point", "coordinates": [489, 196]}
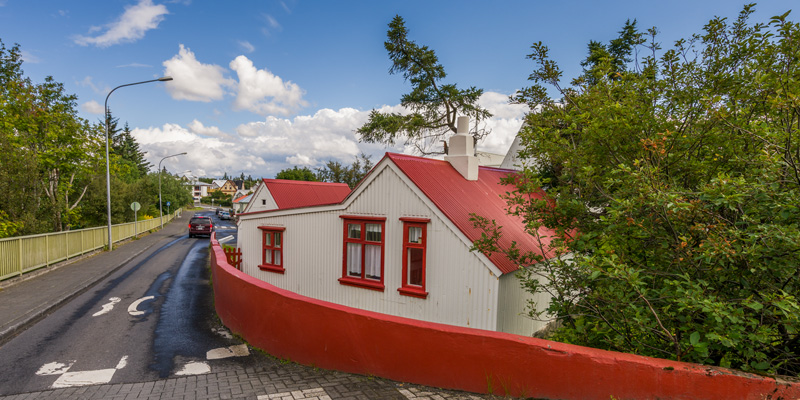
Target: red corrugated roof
{"type": "Point", "coordinates": [293, 194]}
{"type": "Point", "coordinates": [457, 197]}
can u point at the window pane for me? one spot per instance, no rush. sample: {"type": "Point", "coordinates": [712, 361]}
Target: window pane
{"type": "Point", "coordinates": [267, 256]}
{"type": "Point", "coordinates": [373, 261]}
{"type": "Point", "coordinates": [267, 239]}
{"type": "Point", "coordinates": [277, 254]}
{"type": "Point", "coordinates": [354, 231]}
{"type": "Point", "coordinates": [415, 266]}
{"type": "Point", "coordinates": [374, 232]}
{"type": "Point", "coordinates": [415, 234]}
{"type": "Point", "coordinates": [354, 259]}
{"type": "Point", "coordinates": [277, 239]}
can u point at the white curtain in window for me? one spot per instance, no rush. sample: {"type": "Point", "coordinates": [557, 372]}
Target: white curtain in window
{"type": "Point", "coordinates": [277, 257]}
{"type": "Point", "coordinates": [354, 259]}
{"type": "Point", "coordinates": [267, 256]}
{"type": "Point", "coordinates": [414, 234]}
{"type": "Point", "coordinates": [373, 232]}
{"type": "Point", "coordinates": [373, 261]}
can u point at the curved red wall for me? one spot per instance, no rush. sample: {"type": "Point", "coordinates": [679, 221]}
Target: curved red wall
{"type": "Point", "coordinates": [331, 336]}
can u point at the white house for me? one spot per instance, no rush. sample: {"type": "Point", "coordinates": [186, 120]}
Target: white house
{"type": "Point", "coordinates": [198, 189]}
{"type": "Point", "coordinates": [400, 244]}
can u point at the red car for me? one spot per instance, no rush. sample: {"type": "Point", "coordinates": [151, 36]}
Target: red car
{"type": "Point", "coordinates": [200, 226]}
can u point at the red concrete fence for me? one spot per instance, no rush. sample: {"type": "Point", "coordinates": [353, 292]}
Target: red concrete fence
{"type": "Point", "coordinates": [331, 336]}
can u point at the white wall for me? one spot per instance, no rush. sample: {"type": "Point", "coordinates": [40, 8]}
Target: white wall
{"type": "Point", "coordinates": [513, 305]}
{"type": "Point", "coordinates": [463, 291]}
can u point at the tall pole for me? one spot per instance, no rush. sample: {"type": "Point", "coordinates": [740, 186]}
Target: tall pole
{"type": "Point", "coordinates": [108, 164]}
{"type": "Point", "coordinates": [160, 207]}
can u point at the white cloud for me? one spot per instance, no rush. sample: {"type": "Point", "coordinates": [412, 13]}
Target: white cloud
{"type": "Point", "coordinates": [272, 23]}
{"type": "Point", "coordinates": [264, 93]}
{"type": "Point", "coordinates": [194, 80]}
{"type": "Point", "coordinates": [29, 57]}
{"type": "Point", "coordinates": [505, 123]}
{"type": "Point", "coordinates": [93, 107]}
{"type": "Point", "coordinates": [197, 127]}
{"type": "Point", "coordinates": [131, 26]}
{"type": "Point", "coordinates": [89, 82]}
{"type": "Point", "coordinates": [264, 148]}
{"type": "Point", "coordinates": [247, 46]}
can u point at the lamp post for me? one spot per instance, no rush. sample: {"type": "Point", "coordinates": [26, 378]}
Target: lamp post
{"type": "Point", "coordinates": [160, 206]}
{"type": "Point", "coordinates": [108, 168]}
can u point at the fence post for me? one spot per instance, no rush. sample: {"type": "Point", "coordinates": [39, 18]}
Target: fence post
{"type": "Point", "coordinates": [46, 250]}
{"type": "Point", "coordinates": [20, 256]}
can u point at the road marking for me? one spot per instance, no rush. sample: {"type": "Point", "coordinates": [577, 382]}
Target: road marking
{"type": "Point", "coordinates": [194, 368]}
{"type": "Point", "coordinates": [223, 332]}
{"type": "Point", "coordinates": [79, 378]}
{"type": "Point", "coordinates": [108, 306]}
{"type": "Point", "coordinates": [225, 239]}
{"type": "Point", "coordinates": [133, 308]}
{"type": "Point", "coordinates": [318, 393]}
{"type": "Point", "coordinates": [84, 378]}
{"type": "Point", "coordinates": [54, 368]}
{"type": "Point", "coordinates": [225, 352]}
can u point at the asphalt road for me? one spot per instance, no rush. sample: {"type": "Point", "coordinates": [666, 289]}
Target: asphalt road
{"type": "Point", "coordinates": [150, 320]}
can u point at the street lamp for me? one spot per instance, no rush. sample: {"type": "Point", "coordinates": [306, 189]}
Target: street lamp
{"type": "Point", "coordinates": [160, 207]}
{"type": "Point", "coordinates": [108, 168]}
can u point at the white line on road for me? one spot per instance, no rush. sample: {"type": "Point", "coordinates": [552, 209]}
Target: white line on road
{"type": "Point", "coordinates": [81, 378]}
{"type": "Point", "coordinates": [84, 378]}
{"type": "Point", "coordinates": [225, 352]}
{"type": "Point", "coordinates": [108, 306]}
{"type": "Point", "coordinates": [194, 368]}
{"type": "Point", "coordinates": [54, 368]}
{"type": "Point", "coordinates": [133, 308]}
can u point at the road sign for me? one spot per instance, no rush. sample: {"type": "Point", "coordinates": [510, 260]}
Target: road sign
{"type": "Point", "coordinates": [168, 204]}
{"type": "Point", "coordinates": [135, 206]}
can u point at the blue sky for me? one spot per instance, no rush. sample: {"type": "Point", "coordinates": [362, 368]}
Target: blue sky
{"type": "Point", "coordinates": [264, 85]}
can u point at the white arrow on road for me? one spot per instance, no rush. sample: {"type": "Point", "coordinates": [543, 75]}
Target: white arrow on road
{"type": "Point", "coordinates": [133, 308]}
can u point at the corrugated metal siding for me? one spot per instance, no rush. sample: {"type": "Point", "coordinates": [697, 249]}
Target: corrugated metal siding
{"type": "Point", "coordinates": [462, 290]}
{"type": "Point", "coordinates": [513, 307]}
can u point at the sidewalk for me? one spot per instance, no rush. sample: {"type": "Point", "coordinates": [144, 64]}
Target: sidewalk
{"type": "Point", "coordinates": [24, 303]}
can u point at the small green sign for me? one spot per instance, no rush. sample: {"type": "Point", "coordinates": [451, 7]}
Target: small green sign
{"type": "Point", "coordinates": [135, 206]}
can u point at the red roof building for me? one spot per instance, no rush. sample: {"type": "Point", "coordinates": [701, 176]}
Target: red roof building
{"type": "Point", "coordinates": [399, 243]}
{"type": "Point", "coordinates": [283, 194]}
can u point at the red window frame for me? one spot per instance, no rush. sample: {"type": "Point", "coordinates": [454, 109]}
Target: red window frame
{"type": "Point", "coordinates": [362, 281]}
{"type": "Point", "coordinates": [273, 247]}
{"type": "Point", "coordinates": [409, 289]}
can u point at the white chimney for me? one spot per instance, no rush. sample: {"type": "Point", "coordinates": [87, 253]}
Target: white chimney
{"type": "Point", "coordinates": [461, 151]}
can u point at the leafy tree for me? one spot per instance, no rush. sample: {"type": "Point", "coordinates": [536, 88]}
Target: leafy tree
{"type": "Point", "coordinates": [334, 171]}
{"type": "Point", "coordinates": [297, 174]}
{"type": "Point", "coordinates": [673, 187]}
{"type": "Point", "coordinates": [434, 106]}
{"type": "Point", "coordinates": [41, 121]}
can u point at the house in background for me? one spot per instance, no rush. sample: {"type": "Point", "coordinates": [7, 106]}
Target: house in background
{"type": "Point", "coordinates": [198, 189]}
{"type": "Point", "coordinates": [224, 185]}
{"type": "Point", "coordinates": [271, 194]}
{"type": "Point", "coordinates": [240, 203]}
{"type": "Point", "coordinates": [399, 244]}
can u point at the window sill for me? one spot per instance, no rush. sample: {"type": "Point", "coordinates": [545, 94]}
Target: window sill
{"type": "Point", "coordinates": [362, 283]}
{"type": "Point", "coordinates": [413, 292]}
{"type": "Point", "coordinates": [272, 268]}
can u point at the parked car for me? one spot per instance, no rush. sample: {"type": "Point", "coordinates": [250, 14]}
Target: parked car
{"type": "Point", "coordinates": [224, 215]}
{"type": "Point", "coordinates": [200, 226]}
{"type": "Point", "coordinates": [219, 210]}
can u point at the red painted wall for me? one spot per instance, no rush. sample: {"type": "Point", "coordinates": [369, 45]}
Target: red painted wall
{"type": "Point", "coordinates": [332, 336]}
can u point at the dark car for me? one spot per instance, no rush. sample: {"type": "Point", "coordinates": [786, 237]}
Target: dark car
{"type": "Point", "coordinates": [200, 226]}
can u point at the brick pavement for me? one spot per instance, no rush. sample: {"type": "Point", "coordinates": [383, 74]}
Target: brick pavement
{"type": "Point", "coordinates": [269, 379]}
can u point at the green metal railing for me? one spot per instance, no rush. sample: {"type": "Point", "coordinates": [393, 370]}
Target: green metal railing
{"type": "Point", "coordinates": [19, 255]}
